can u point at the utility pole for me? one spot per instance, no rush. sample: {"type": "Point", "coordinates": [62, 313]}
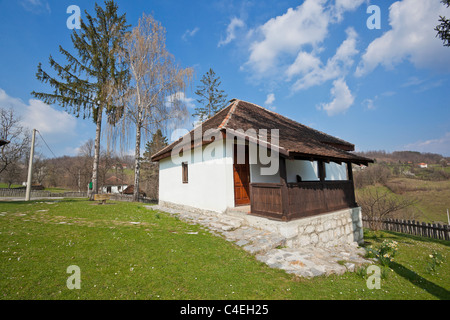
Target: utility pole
{"type": "Point", "coordinates": [30, 167]}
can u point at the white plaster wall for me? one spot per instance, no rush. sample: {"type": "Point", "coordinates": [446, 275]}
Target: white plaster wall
{"type": "Point", "coordinates": [335, 171]}
{"type": "Point", "coordinates": [308, 170]}
{"type": "Point", "coordinates": [210, 179]}
{"type": "Point", "coordinates": [256, 173]}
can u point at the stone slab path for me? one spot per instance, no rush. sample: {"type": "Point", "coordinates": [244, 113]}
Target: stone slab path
{"type": "Point", "coordinates": [269, 247]}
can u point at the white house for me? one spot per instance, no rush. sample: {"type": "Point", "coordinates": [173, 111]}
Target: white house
{"type": "Point", "coordinates": [114, 185]}
{"type": "Point", "coordinates": [290, 177]}
{"type": "Point", "coordinates": [248, 155]}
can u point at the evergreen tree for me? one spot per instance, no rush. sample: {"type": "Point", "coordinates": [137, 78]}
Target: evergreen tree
{"type": "Point", "coordinates": [211, 97]}
{"type": "Point", "coordinates": [83, 86]}
{"type": "Point", "coordinates": [443, 30]}
{"type": "Point", "coordinates": [157, 143]}
{"type": "Point", "coordinates": [150, 172]}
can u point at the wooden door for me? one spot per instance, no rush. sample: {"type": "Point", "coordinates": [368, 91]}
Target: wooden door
{"type": "Point", "coordinates": [241, 174]}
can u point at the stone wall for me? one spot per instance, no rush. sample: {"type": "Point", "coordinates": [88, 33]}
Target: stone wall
{"type": "Point", "coordinates": [341, 227]}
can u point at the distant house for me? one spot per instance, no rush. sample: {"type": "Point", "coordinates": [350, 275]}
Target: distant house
{"type": "Point", "coordinates": [130, 190]}
{"type": "Point", "coordinates": [423, 165]}
{"type": "Point", "coordinates": [114, 185]}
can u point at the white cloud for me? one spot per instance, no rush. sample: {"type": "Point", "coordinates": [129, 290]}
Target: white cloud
{"type": "Point", "coordinates": [370, 103]}
{"type": "Point", "coordinates": [181, 97]}
{"type": "Point", "coordinates": [231, 31]}
{"type": "Point", "coordinates": [297, 35]}
{"type": "Point", "coordinates": [343, 98]}
{"type": "Point", "coordinates": [36, 6]}
{"type": "Point", "coordinates": [344, 5]}
{"type": "Point", "coordinates": [270, 99]}
{"type": "Point", "coordinates": [189, 33]}
{"type": "Point", "coordinates": [39, 115]}
{"type": "Point", "coordinates": [315, 73]}
{"type": "Point", "coordinates": [286, 34]}
{"type": "Point", "coordinates": [411, 38]}
{"type": "Point", "coordinates": [440, 145]}
{"type": "Point", "coordinates": [303, 64]}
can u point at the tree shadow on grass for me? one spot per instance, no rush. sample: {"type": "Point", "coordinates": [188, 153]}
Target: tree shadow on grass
{"type": "Point", "coordinates": [433, 289]}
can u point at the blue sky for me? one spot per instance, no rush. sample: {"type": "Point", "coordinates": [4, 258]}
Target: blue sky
{"type": "Point", "coordinates": [316, 62]}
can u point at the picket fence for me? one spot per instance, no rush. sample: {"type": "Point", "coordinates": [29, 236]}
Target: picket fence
{"type": "Point", "coordinates": [417, 228]}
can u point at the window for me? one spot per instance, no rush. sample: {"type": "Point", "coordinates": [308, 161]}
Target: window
{"type": "Point", "coordinates": [184, 167]}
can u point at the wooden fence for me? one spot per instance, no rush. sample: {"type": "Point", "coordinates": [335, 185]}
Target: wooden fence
{"type": "Point", "coordinates": [417, 228]}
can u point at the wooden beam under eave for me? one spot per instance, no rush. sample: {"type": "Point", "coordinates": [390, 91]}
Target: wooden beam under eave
{"type": "Point", "coordinates": [284, 189]}
{"type": "Point", "coordinates": [322, 172]}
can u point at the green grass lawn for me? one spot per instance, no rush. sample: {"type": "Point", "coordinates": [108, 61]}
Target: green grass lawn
{"type": "Point", "coordinates": [5, 185]}
{"type": "Point", "coordinates": [126, 251]}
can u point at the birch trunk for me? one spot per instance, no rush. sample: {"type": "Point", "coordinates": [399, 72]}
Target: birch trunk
{"type": "Point", "coordinates": [137, 163]}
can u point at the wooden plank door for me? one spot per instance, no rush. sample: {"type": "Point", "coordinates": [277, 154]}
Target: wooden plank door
{"type": "Point", "coordinates": [241, 173]}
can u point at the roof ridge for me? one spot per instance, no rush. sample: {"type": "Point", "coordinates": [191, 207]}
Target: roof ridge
{"type": "Point", "coordinates": [230, 113]}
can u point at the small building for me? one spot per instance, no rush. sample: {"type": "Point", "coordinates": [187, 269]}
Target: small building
{"type": "Point", "coordinates": [423, 165]}
{"type": "Point", "coordinates": [246, 155]}
{"type": "Point", "coordinates": [130, 191]}
{"type": "Point", "coordinates": [114, 185]}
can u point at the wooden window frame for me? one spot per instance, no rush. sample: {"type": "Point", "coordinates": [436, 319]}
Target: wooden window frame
{"type": "Point", "coordinates": [184, 172]}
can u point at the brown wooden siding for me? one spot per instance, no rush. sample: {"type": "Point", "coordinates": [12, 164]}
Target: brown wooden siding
{"type": "Point", "coordinates": [266, 199]}
{"type": "Point", "coordinates": [303, 199]}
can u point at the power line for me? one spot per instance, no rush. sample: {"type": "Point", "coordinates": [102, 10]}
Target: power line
{"type": "Point", "coordinates": [46, 143]}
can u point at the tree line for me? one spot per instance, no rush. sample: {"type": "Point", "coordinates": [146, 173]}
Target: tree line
{"type": "Point", "coordinates": [75, 172]}
{"type": "Point", "coordinates": [411, 157]}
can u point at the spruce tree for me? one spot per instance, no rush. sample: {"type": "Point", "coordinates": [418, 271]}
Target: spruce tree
{"type": "Point", "coordinates": [157, 143]}
{"type": "Point", "coordinates": [84, 84]}
{"type": "Point", "coordinates": [443, 29]}
{"type": "Point", "coordinates": [211, 97]}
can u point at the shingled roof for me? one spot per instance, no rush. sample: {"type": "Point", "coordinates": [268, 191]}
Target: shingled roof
{"type": "Point", "coordinates": [295, 139]}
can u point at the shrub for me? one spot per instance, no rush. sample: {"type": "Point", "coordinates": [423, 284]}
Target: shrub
{"type": "Point", "coordinates": [385, 253]}
{"type": "Point", "coordinates": [435, 259]}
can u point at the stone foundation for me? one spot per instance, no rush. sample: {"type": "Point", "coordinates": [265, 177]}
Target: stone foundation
{"type": "Point", "coordinates": [343, 227]}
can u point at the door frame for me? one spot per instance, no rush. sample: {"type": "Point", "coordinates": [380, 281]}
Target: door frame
{"type": "Point", "coordinates": [247, 165]}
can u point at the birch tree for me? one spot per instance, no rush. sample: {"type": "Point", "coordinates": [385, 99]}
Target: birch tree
{"type": "Point", "coordinates": [153, 97]}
